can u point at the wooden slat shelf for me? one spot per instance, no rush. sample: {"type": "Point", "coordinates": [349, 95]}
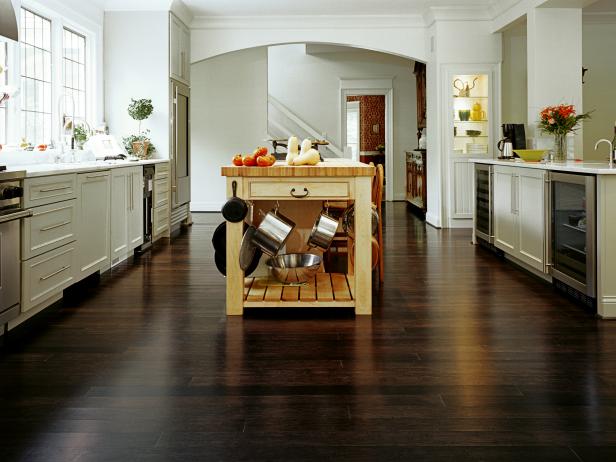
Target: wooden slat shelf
{"type": "Point", "coordinates": [325, 290]}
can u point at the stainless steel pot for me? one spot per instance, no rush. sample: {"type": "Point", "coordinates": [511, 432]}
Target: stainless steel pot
{"type": "Point", "coordinates": [323, 231]}
{"type": "Point", "coordinates": [348, 221]}
{"type": "Point", "coordinates": [273, 232]}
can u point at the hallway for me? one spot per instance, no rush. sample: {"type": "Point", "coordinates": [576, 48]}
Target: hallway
{"type": "Point", "coordinates": [465, 359]}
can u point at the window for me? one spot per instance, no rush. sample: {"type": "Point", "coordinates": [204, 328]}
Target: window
{"type": "Point", "coordinates": [74, 71]}
{"type": "Point", "coordinates": [3, 81]}
{"type": "Point", "coordinates": [36, 71]}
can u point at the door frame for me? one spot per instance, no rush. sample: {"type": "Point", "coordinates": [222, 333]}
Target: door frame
{"type": "Point", "coordinates": [382, 86]}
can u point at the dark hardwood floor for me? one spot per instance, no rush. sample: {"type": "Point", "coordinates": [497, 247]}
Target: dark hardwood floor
{"type": "Point", "coordinates": [465, 359]}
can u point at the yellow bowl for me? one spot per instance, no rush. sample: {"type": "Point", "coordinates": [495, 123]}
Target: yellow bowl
{"type": "Point", "coordinates": [530, 155]}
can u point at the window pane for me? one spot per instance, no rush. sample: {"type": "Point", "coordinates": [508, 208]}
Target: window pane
{"type": "Point", "coordinates": [36, 72]}
{"type": "Point", "coordinates": [75, 70]}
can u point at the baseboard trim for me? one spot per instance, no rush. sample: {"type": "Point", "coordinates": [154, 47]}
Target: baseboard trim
{"type": "Point", "coordinates": [433, 220]}
{"type": "Point", "coordinates": [213, 206]}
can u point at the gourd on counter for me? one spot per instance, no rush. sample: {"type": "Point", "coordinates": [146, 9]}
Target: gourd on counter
{"type": "Point", "coordinates": [307, 155]}
{"type": "Point", "coordinates": [292, 149]}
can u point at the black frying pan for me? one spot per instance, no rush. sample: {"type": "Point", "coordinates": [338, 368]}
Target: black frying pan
{"type": "Point", "coordinates": [219, 241]}
{"type": "Point", "coordinates": [235, 210]}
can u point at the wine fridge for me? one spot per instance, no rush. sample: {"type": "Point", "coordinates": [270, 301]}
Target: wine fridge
{"type": "Point", "coordinates": [572, 231]}
{"type": "Point", "coordinates": [483, 203]}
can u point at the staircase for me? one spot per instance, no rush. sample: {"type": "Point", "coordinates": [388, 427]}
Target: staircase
{"type": "Point", "coordinates": [283, 123]}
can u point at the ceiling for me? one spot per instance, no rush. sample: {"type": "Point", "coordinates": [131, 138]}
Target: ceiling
{"type": "Point", "coordinates": [602, 6]}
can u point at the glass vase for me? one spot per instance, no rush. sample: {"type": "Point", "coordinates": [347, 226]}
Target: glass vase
{"type": "Point", "coordinates": [560, 148]}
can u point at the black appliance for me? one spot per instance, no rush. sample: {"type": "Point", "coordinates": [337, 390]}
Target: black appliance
{"type": "Point", "coordinates": [148, 207]}
{"type": "Point", "coordinates": [516, 134]}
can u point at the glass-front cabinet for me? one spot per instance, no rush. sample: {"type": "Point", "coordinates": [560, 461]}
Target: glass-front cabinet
{"type": "Point", "coordinates": [471, 114]}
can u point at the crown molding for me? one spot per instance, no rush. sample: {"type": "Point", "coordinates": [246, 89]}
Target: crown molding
{"type": "Point", "coordinates": [456, 13]}
{"type": "Point", "coordinates": [308, 22]}
{"type": "Point", "coordinates": [599, 18]}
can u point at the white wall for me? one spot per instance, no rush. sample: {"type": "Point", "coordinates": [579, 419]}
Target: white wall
{"type": "Point", "coordinates": [228, 116]}
{"type": "Point", "coordinates": [309, 85]}
{"type": "Point", "coordinates": [515, 75]}
{"type": "Point", "coordinates": [137, 66]}
{"type": "Point", "coordinates": [600, 87]}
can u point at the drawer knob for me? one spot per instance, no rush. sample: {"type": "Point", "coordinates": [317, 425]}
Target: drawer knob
{"type": "Point", "coordinates": [299, 196]}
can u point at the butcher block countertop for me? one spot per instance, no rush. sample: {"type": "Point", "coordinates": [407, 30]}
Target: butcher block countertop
{"type": "Point", "coordinates": [328, 168]}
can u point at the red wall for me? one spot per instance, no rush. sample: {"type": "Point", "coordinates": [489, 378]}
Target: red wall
{"type": "Point", "coordinates": [372, 112]}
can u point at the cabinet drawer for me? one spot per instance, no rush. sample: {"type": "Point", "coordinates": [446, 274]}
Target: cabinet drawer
{"type": "Point", "coordinates": [161, 192]}
{"type": "Point", "coordinates": [299, 190]}
{"type": "Point", "coordinates": [160, 220]}
{"type": "Point", "coordinates": [46, 276]}
{"type": "Point", "coordinates": [49, 189]}
{"type": "Point", "coordinates": [161, 170]}
{"type": "Point", "coordinates": [49, 227]}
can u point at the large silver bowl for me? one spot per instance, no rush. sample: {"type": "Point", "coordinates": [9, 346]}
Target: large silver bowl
{"type": "Point", "coordinates": [294, 267]}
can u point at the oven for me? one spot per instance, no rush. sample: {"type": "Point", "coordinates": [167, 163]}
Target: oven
{"type": "Point", "coordinates": [11, 214]}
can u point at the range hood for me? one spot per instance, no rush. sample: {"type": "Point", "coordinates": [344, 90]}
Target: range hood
{"type": "Point", "coordinates": [8, 21]}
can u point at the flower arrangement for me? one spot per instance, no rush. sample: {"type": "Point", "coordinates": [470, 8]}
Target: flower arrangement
{"type": "Point", "coordinates": [561, 119]}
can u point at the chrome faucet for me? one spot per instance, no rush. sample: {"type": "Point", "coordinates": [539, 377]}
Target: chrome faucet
{"type": "Point", "coordinates": [612, 152]}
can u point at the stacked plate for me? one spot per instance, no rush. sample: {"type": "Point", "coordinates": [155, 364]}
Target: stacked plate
{"type": "Point", "coordinates": [475, 148]}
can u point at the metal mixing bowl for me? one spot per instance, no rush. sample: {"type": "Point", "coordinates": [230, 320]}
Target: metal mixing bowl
{"type": "Point", "coordinates": [294, 267]}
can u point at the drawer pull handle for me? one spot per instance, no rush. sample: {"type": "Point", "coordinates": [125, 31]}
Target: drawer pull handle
{"type": "Point", "coordinates": [100, 175]}
{"type": "Point", "coordinates": [300, 196]}
{"type": "Point", "coordinates": [55, 189]}
{"type": "Point", "coordinates": [55, 273]}
{"type": "Point", "coordinates": [59, 225]}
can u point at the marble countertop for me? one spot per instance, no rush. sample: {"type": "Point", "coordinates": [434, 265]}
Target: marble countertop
{"type": "Point", "coordinates": [46, 169]}
{"type": "Point", "coordinates": [590, 168]}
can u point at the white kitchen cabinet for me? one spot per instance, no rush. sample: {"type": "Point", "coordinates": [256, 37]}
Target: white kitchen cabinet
{"type": "Point", "coordinates": [126, 211]}
{"type": "Point", "coordinates": [504, 209]}
{"type": "Point", "coordinates": [50, 226]}
{"type": "Point", "coordinates": [519, 214]}
{"type": "Point", "coordinates": [93, 223]}
{"type": "Point", "coordinates": [531, 215]}
{"type": "Point", "coordinates": [179, 50]}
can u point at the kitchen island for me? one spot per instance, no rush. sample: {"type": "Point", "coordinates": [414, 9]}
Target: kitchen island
{"type": "Point", "coordinates": [299, 189]}
{"type": "Point", "coordinates": [556, 220]}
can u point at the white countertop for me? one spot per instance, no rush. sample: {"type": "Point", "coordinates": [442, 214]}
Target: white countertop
{"type": "Point", "coordinates": [36, 170]}
{"type": "Point", "coordinates": [590, 168]}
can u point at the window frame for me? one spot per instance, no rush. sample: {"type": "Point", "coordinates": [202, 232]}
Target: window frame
{"type": "Point", "coordinates": [59, 22]}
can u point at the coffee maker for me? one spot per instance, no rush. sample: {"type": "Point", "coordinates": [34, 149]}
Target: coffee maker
{"type": "Point", "coordinates": [516, 134]}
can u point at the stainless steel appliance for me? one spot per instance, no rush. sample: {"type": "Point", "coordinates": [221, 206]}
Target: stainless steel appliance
{"type": "Point", "coordinates": [572, 250]}
{"type": "Point", "coordinates": [180, 145]}
{"type": "Point", "coordinates": [11, 212]}
{"type": "Point", "coordinates": [148, 208]}
{"type": "Point", "coordinates": [516, 134]}
{"type": "Point", "coordinates": [483, 203]}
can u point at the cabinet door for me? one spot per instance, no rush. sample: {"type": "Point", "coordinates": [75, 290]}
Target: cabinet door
{"type": "Point", "coordinates": [175, 38]}
{"type": "Point", "coordinates": [180, 185]}
{"type": "Point", "coordinates": [135, 213]}
{"type": "Point", "coordinates": [531, 217]}
{"type": "Point", "coordinates": [505, 233]}
{"type": "Point", "coordinates": [93, 222]}
{"type": "Point", "coordinates": [462, 189]}
{"type": "Point", "coordinates": [120, 180]}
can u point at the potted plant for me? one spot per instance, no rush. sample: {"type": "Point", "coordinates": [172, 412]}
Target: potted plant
{"type": "Point", "coordinates": [139, 145]}
{"type": "Point", "coordinates": [381, 148]}
{"type": "Point", "coordinates": [81, 135]}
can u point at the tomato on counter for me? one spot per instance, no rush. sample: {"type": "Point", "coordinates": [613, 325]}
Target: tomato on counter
{"type": "Point", "coordinates": [249, 161]}
{"type": "Point", "coordinates": [266, 161]}
{"type": "Point", "coordinates": [260, 151]}
{"type": "Point", "coordinates": [237, 160]}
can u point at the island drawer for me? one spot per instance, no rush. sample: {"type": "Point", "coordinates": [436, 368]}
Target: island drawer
{"type": "Point", "coordinates": [161, 170]}
{"type": "Point", "coordinates": [49, 227]}
{"type": "Point", "coordinates": [299, 190]}
{"type": "Point", "coordinates": [49, 189]}
{"type": "Point", "coordinates": [161, 192]}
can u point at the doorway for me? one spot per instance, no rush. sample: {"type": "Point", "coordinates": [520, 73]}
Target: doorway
{"type": "Point", "coordinates": [366, 128]}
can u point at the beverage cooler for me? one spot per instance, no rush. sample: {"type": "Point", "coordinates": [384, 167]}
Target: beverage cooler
{"type": "Point", "coordinates": [483, 203]}
{"type": "Point", "coordinates": [572, 242]}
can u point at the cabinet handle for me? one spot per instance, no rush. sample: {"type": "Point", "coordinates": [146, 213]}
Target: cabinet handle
{"type": "Point", "coordinates": [300, 196]}
{"type": "Point", "coordinates": [99, 175]}
{"type": "Point", "coordinates": [55, 273]}
{"type": "Point", "coordinates": [55, 189]}
{"type": "Point", "coordinates": [59, 225]}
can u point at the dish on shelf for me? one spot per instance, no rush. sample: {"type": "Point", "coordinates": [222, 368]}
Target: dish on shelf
{"type": "Point", "coordinates": [530, 155]}
{"type": "Point", "coordinates": [473, 133]}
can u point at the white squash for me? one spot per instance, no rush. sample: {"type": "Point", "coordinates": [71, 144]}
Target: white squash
{"type": "Point", "coordinates": [306, 146]}
{"type": "Point", "coordinates": [292, 149]}
{"type": "Point", "coordinates": [310, 157]}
